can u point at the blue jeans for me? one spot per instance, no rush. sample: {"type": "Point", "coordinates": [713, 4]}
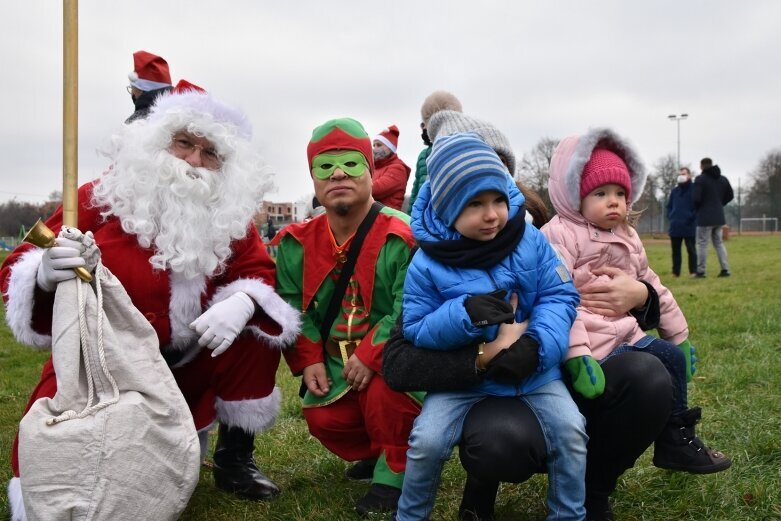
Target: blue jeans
{"type": "Point", "coordinates": [672, 358]}
{"type": "Point", "coordinates": [438, 429]}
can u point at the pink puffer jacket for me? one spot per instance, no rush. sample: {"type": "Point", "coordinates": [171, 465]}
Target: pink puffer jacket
{"type": "Point", "coordinates": [585, 247]}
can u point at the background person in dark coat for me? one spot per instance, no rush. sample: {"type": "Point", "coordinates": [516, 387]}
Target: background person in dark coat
{"type": "Point", "coordinates": [683, 223]}
{"type": "Point", "coordinates": [712, 192]}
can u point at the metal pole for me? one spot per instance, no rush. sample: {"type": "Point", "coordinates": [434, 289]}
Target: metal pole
{"type": "Point", "coordinates": [70, 112]}
{"type": "Point", "coordinates": [678, 121]}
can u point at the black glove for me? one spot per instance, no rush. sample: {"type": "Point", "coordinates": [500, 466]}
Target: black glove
{"type": "Point", "coordinates": [515, 363]}
{"type": "Point", "coordinates": [488, 309]}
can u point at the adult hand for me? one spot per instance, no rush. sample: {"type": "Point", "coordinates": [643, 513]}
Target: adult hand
{"type": "Point", "coordinates": [588, 379]}
{"type": "Point", "coordinates": [57, 264]}
{"type": "Point", "coordinates": [221, 324]}
{"type": "Point", "coordinates": [357, 374]}
{"type": "Point", "coordinates": [89, 250]}
{"type": "Point", "coordinates": [316, 379]}
{"type": "Point", "coordinates": [614, 297]}
{"type": "Point", "coordinates": [488, 309]}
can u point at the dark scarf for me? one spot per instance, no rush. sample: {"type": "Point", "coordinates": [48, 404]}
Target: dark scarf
{"type": "Point", "coordinates": [469, 253]}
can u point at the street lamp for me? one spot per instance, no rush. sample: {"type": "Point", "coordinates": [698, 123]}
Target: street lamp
{"type": "Point", "coordinates": [677, 118]}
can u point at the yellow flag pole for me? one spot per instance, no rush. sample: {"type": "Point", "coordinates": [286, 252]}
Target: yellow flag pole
{"type": "Point", "coordinates": [70, 113]}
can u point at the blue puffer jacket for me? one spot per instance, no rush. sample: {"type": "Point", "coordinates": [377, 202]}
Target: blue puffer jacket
{"type": "Point", "coordinates": [434, 315]}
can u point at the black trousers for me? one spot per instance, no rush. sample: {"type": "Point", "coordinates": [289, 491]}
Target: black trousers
{"type": "Point", "coordinates": [691, 253]}
{"type": "Point", "coordinates": [502, 440]}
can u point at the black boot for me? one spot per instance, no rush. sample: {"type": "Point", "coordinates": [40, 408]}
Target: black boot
{"type": "Point", "coordinates": [598, 509]}
{"type": "Point", "coordinates": [235, 469]}
{"type": "Point", "coordinates": [679, 448]}
{"type": "Point", "coordinates": [380, 498]}
{"type": "Point", "coordinates": [477, 502]}
{"type": "Point", "coordinates": [361, 471]}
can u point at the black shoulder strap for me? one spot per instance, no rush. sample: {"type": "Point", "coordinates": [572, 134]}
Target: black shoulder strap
{"type": "Point", "coordinates": [347, 270]}
{"type": "Point", "coordinates": [344, 277]}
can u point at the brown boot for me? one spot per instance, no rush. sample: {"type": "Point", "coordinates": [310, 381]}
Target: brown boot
{"type": "Point", "coordinates": [679, 448]}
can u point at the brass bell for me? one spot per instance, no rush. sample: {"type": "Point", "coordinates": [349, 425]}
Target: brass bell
{"type": "Point", "coordinates": [42, 236]}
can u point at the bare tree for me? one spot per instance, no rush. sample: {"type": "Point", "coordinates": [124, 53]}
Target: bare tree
{"type": "Point", "coordinates": [764, 195]}
{"type": "Point", "coordinates": [534, 168]}
{"type": "Point", "coordinates": [665, 175]}
{"type": "Point", "coordinates": [14, 215]}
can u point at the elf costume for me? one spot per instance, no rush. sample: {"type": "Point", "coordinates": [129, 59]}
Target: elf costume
{"type": "Point", "coordinates": [355, 425]}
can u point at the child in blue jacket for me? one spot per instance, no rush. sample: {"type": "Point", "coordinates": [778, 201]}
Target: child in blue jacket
{"type": "Point", "coordinates": [475, 251]}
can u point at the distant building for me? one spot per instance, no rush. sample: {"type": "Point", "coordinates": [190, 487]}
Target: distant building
{"type": "Point", "coordinates": [281, 213]}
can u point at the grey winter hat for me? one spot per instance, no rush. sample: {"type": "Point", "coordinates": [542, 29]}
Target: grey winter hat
{"type": "Point", "coordinates": [446, 122]}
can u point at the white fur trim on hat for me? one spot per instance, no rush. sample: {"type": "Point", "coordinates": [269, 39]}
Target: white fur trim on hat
{"type": "Point", "coordinates": [145, 85]}
{"type": "Point", "coordinates": [609, 139]}
{"type": "Point", "coordinates": [200, 107]}
{"type": "Point", "coordinates": [251, 415]}
{"type": "Point", "coordinates": [288, 318]}
{"type": "Point", "coordinates": [21, 300]}
{"type": "Point", "coordinates": [382, 139]}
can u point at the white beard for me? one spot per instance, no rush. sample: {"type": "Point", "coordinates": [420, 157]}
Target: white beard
{"type": "Point", "coordinates": [189, 215]}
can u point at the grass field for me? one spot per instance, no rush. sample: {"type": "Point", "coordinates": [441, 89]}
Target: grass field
{"type": "Point", "coordinates": [735, 324]}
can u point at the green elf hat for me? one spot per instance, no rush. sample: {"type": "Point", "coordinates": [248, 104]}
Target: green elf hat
{"type": "Point", "coordinates": [340, 134]}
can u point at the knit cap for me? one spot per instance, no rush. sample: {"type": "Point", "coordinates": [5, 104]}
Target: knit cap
{"type": "Point", "coordinates": [605, 167]}
{"type": "Point", "coordinates": [447, 122]}
{"type": "Point", "coordinates": [461, 166]}
{"type": "Point", "coordinates": [340, 134]}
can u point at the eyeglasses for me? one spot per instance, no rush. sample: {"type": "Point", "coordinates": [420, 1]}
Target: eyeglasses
{"type": "Point", "coordinates": [129, 89]}
{"type": "Point", "coordinates": [183, 147]}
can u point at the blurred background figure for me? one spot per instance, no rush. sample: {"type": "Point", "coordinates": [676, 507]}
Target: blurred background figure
{"type": "Point", "coordinates": [683, 222]}
{"type": "Point", "coordinates": [389, 182]}
{"type": "Point", "coordinates": [149, 79]}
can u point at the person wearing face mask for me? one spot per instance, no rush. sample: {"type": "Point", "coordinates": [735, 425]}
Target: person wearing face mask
{"type": "Point", "coordinates": [434, 102]}
{"type": "Point", "coordinates": [149, 79]}
{"type": "Point", "coordinates": [389, 181]}
{"type": "Point", "coordinates": [683, 222]}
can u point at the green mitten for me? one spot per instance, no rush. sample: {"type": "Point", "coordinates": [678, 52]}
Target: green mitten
{"type": "Point", "coordinates": [691, 360]}
{"type": "Point", "coordinates": [587, 376]}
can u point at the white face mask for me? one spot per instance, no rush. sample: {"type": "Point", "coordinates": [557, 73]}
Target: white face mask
{"type": "Point", "coordinates": [682, 179]}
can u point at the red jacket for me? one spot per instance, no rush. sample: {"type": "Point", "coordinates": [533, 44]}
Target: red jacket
{"type": "Point", "coordinates": [389, 182]}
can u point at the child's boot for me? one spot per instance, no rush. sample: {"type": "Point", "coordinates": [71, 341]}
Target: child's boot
{"type": "Point", "coordinates": [679, 448]}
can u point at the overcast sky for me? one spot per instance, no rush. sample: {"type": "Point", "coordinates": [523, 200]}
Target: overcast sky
{"type": "Point", "coordinates": [534, 69]}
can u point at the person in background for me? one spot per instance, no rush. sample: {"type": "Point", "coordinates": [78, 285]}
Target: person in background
{"type": "Point", "coordinates": [347, 405]}
{"type": "Point", "coordinates": [389, 182]}
{"type": "Point", "coordinates": [712, 192]}
{"type": "Point", "coordinates": [434, 102]}
{"type": "Point", "coordinates": [149, 79]}
{"type": "Point", "coordinates": [683, 222]}
{"type": "Point", "coordinates": [172, 220]}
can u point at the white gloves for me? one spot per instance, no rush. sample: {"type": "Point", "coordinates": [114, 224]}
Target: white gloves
{"type": "Point", "coordinates": [221, 324]}
{"type": "Point", "coordinates": [73, 249]}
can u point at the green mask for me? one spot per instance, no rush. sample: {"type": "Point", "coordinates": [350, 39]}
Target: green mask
{"type": "Point", "coordinates": [351, 163]}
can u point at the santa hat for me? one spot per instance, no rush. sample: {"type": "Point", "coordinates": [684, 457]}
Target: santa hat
{"type": "Point", "coordinates": [150, 72]}
{"type": "Point", "coordinates": [340, 134]}
{"type": "Point", "coordinates": [188, 104]}
{"type": "Point", "coordinates": [389, 137]}
{"type": "Point", "coordinates": [603, 168]}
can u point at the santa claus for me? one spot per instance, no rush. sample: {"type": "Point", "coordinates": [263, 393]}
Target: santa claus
{"type": "Point", "coordinates": [172, 218]}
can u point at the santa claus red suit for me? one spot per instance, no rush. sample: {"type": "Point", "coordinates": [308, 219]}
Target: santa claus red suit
{"type": "Point", "coordinates": [179, 237]}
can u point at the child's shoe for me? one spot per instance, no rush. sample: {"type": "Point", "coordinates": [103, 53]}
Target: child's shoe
{"type": "Point", "coordinates": [679, 448]}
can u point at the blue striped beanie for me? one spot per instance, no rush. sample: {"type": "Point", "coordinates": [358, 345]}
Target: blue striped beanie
{"type": "Point", "coordinates": [460, 166]}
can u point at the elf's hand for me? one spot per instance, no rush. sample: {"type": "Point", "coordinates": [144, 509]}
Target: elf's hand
{"type": "Point", "coordinates": [488, 309]}
{"type": "Point", "coordinates": [691, 360]}
{"type": "Point", "coordinates": [587, 376]}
